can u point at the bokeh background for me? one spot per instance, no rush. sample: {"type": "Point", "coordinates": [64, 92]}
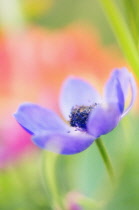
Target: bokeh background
{"type": "Point", "coordinates": [41, 43]}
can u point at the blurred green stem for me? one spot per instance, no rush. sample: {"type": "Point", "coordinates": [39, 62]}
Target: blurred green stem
{"type": "Point", "coordinates": [49, 173]}
{"type": "Point", "coordinates": [106, 158]}
{"type": "Point", "coordinates": [122, 33]}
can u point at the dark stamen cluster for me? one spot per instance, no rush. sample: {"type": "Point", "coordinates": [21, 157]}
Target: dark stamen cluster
{"type": "Point", "coordinates": [79, 116]}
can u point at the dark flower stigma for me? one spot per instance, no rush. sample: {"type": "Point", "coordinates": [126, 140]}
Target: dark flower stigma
{"type": "Point", "coordinates": [79, 115]}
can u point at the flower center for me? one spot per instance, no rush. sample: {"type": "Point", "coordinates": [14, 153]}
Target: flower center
{"type": "Point", "coordinates": [79, 116]}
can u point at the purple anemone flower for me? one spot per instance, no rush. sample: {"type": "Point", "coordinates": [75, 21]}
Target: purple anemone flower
{"type": "Point", "coordinates": [87, 114]}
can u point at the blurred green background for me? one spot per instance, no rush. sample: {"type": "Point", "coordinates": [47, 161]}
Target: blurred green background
{"type": "Point", "coordinates": [24, 184]}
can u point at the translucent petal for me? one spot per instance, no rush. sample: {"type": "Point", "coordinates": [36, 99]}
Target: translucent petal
{"type": "Point", "coordinates": [67, 143]}
{"type": "Point", "coordinates": [77, 92]}
{"type": "Point", "coordinates": [133, 94]}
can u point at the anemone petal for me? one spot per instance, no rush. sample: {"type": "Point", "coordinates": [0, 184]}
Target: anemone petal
{"type": "Point", "coordinates": [66, 143]}
{"type": "Point", "coordinates": [77, 92]}
{"type": "Point", "coordinates": [34, 118]}
{"type": "Point", "coordinates": [102, 120]}
{"type": "Point", "coordinates": [113, 91]}
{"type": "Point", "coordinates": [133, 94]}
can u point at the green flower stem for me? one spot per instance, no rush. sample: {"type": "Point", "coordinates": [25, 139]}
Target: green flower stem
{"type": "Point", "coordinates": [105, 158]}
{"type": "Point", "coordinates": [49, 174]}
{"type": "Point", "coordinates": [122, 33]}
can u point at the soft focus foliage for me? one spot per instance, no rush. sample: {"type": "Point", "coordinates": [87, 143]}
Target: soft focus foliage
{"type": "Point", "coordinates": [41, 43]}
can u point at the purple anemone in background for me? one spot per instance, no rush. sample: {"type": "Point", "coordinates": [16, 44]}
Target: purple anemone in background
{"type": "Point", "coordinates": [88, 115]}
